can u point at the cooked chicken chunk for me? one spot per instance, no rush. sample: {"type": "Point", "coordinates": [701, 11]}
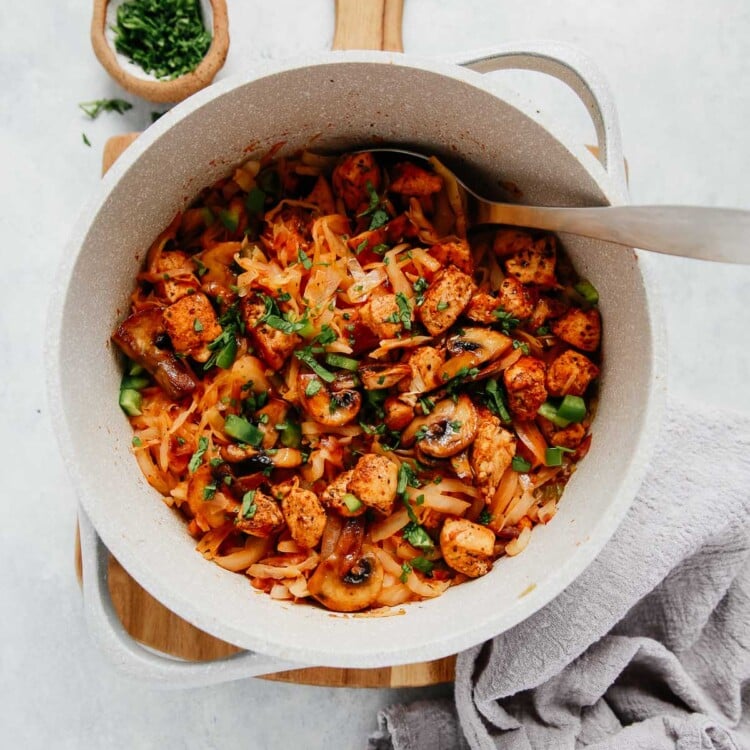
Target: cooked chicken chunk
{"type": "Point", "coordinates": [398, 414]}
{"type": "Point", "coordinates": [274, 346]}
{"type": "Point", "coordinates": [175, 288]}
{"type": "Point", "coordinates": [568, 437]}
{"type": "Point", "coordinates": [136, 336]}
{"type": "Point", "coordinates": [524, 382]}
{"type": "Point", "coordinates": [482, 307]}
{"type": "Point", "coordinates": [580, 328]}
{"type": "Point", "coordinates": [350, 180]}
{"type": "Point", "coordinates": [425, 363]}
{"type": "Point", "coordinates": [535, 265]}
{"type": "Point", "coordinates": [374, 481]}
{"type": "Point", "coordinates": [333, 496]}
{"type": "Point", "coordinates": [445, 299]}
{"type": "Point", "coordinates": [467, 547]}
{"type": "Point", "coordinates": [514, 298]}
{"type": "Point", "coordinates": [457, 253]}
{"type": "Point", "coordinates": [381, 315]}
{"type": "Point", "coordinates": [545, 309]}
{"type": "Point", "coordinates": [491, 453]}
{"type": "Point", "coordinates": [304, 515]}
{"type": "Point", "coordinates": [409, 179]}
{"type": "Point", "coordinates": [265, 520]}
{"type": "Point", "coordinates": [570, 374]}
{"type": "Point", "coordinates": [191, 324]}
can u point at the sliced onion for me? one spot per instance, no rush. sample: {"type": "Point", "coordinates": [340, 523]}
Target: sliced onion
{"type": "Point", "coordinates": [389, 526]}
{"type": "Point", "coordinates": [519, 544]}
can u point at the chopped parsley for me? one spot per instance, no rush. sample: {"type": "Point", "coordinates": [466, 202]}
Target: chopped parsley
{"type": "Point", "coordinates": [484, 517]}
{"type": "Point", "coordinates": [362, 246]}
{"type": "Point", "coordinates": [542, 331]}
{"type": "Point", "coordinates": [423, 565]}
{"type": "Point", "coordinates": [378, 216]}
{"type": "Point", "coordinates": [197, 326]}
{"type": "Point", "coordinates": [506, 320]}
{"type": "Point", "coordinates": [137, 442]}
{"type": "Point", "coordinates": [85, 139]}
{"type": "Point", "coordinates": [417, 536]}
{"type": "Point", "coordinates": [495, 400]}
{"type": "Point", "coordinates": [313, 387]}
{"type": "Point", "coordinates": [200, 269]}
{"type": "Point", "coordinates": [197, 458]}
{"type": "Point", "coordinates": [381, 249]}
{"type": "Point", "coordinates": [442, 305]}
{"type": "Point", "coordinates": [406, 478]}
{"type": "Point", "coordinates": [303, 258]}
{"type": "Point", "coordinates": [405, 571]}
{"type": "Point", "coordinates": [95, 108]}
{"type": "Point", "coordinates": [403, 315]}
{"type": "Point", "coordinates": [209, 491]}
{"type": "Point", "coordinates": [274, 318]}
{"type": "Point", "coordinates": [249, 507]}
{"type": "Point", "coordinates": [427, 404]}
{"type": "Point", "coordinates": [522, 345]}
{"type": "Point", "coordinates": [419, 287]}
{"type": "Point", "coordinates": [224, 346]}
{"type": "Point", "coordinates": [306, 355]}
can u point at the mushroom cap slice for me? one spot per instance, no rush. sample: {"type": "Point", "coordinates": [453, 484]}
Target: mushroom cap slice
{"type": "Point", "coordinates": [355, 590]}
{"type": "Point", "coordinates": [449, 428]}
{"type": "Point", "coordinates": [472, 347]}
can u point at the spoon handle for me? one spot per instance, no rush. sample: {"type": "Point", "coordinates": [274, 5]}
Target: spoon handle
{"type": "Point", "coordinates": [717, 234]}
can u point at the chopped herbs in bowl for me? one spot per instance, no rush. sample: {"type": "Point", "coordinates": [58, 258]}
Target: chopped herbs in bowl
{"type": "Point", "coordinates": [166, 38]}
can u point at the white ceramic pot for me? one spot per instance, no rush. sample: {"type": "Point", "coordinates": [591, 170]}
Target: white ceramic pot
{"type": "Point", "coordinates": [338, 101]}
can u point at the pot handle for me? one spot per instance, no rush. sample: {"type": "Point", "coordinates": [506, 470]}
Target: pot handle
{"type": "Point", "coordinates": [136, 660]}
{"type": "Point", "coordinates": [571, 66]}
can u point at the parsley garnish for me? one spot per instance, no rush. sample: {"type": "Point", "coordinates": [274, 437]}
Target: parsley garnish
{"type": "Point", "coordinates": [423, 565]}
{"type": "Point", "coordinates": [200, 269]}
{"type": "Point", "coordinates": [197, 458]}
{"type": "Point", "coordinates": [506, 320]}
{"type": "Point", "coordinates": [427, 404]}
{"type": "Point", "coordinates": [137, 442]}
{"type": "Point", "coordinates": [95, 108]}
{"type": "Point", "coordinates": [306, 355]}
{"type": "Point", "coordinates": [403, 315]}
{"type": "Point", "coordinates": [85, 139]}
{"type": "Point", "coordinates": [197, 326]}
{"type": "Point", "coordinates": [495, 400]}
{"type": "Point", "coordinates": [406, 478]}
{"type": "Point", "coordinates": [378, 217]}
{"type": "Point", "coordinates": [249, 507]}
{"type": "Point", "coordinates": [405, 571]}
{"type": "Point", "coordinates": [442, 305]}
{"type": "Point", "coordinates": [522, 345]}
{"type": "Point", "coordinates": [166, 38]}
{"type": "Point", "coordinates": [417, 536]}
{"type": "Point", "coordinates": [542, 331]}
{"type": "Point", "coordinates": [484, 517]}
{"type": "Point", "coordinates": [313, 387]}
{"type": "Point", "coordinates": [381, 249]}
{"type": "Point", "coordinates": [275, 319]}
{"type": "Point", "coordinates": [362, 246]}
{"type": "Point", "coordinates": [209, 491]}
{"type": "Point", "coordinates": [326, 336]}
{"type": "Point", "coordinates": [224, 346]}
{"type": "Point", "coordinates": [303, 258]}
{"type": "Point", "coordinates": [419, 287]}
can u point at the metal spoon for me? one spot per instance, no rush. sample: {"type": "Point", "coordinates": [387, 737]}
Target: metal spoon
{"type": "Point", "coordinates": [717, 234]}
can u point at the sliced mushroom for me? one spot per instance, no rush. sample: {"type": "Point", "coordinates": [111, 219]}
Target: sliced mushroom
{"type": "Point", "coordinates": [328, 404]}
{"type": "Point", "coordinates": [137, 336]}
{"type": "Point", "coordinates": [376, 376]}
{"type": "Point", "coordinates": [446, 430]}
{"type": "Point", "coordinates": [356, 589]}
{"type": "Point", "coordinates": [472, 347]}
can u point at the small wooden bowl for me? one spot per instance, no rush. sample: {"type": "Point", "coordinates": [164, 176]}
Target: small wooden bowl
{"type": "Point", "coordinates": [133, 79]}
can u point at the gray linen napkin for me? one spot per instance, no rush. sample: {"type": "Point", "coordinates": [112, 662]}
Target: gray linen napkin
{"type": "Point", "coordinates": [649, 648]}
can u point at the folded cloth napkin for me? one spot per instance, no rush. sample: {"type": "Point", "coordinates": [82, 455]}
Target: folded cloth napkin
{"type": "Point", "coordinates": [648, 648]}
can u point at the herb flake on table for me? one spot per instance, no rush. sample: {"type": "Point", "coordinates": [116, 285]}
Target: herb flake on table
{"type": "Point", "coordinates": [95, 108]}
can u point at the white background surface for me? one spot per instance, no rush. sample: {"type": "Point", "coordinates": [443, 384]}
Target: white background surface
{"type": "Point", "coordinates": [680, 71]}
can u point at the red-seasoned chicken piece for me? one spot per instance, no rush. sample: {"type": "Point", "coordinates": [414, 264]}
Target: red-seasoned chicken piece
{"type": "Point", "coordinates": [351, 178]}
{"type": "Point", "coordinates": [322, 196]}
{"type": "Point", "coordinates": [445, 299]}
{"type": "Point", "coordinates": [570, 374]}
{"type": "Point", "coordinates": [264, 520]}
{"type": "Point", "coordinates": [381, 315]}
{"type": "Point", "coordinates": [515, 298]}
{"type": "Point", "coordinates": [567, 437]}
{"type": "Point", "coordinates": [273, 345]}
{"type": "Point", "coordinates": [524, 383]}
{"type": "Point", "coordinates": [482, 307]}
{"type": "Point", "coordinates": [409, 179]}
{"type": "Point", "coordinates": [191, 324]}
{"type": "Point", "coordinates": [510, 241]}
{"type": "Point", "coordinates": [535, 264]}
{"type": "Point", "coordinates": [171, 288]}
{"type": "Point", "coordinates": [580, 328]}
{"type": "Point", "coordinates": [458, 253]}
